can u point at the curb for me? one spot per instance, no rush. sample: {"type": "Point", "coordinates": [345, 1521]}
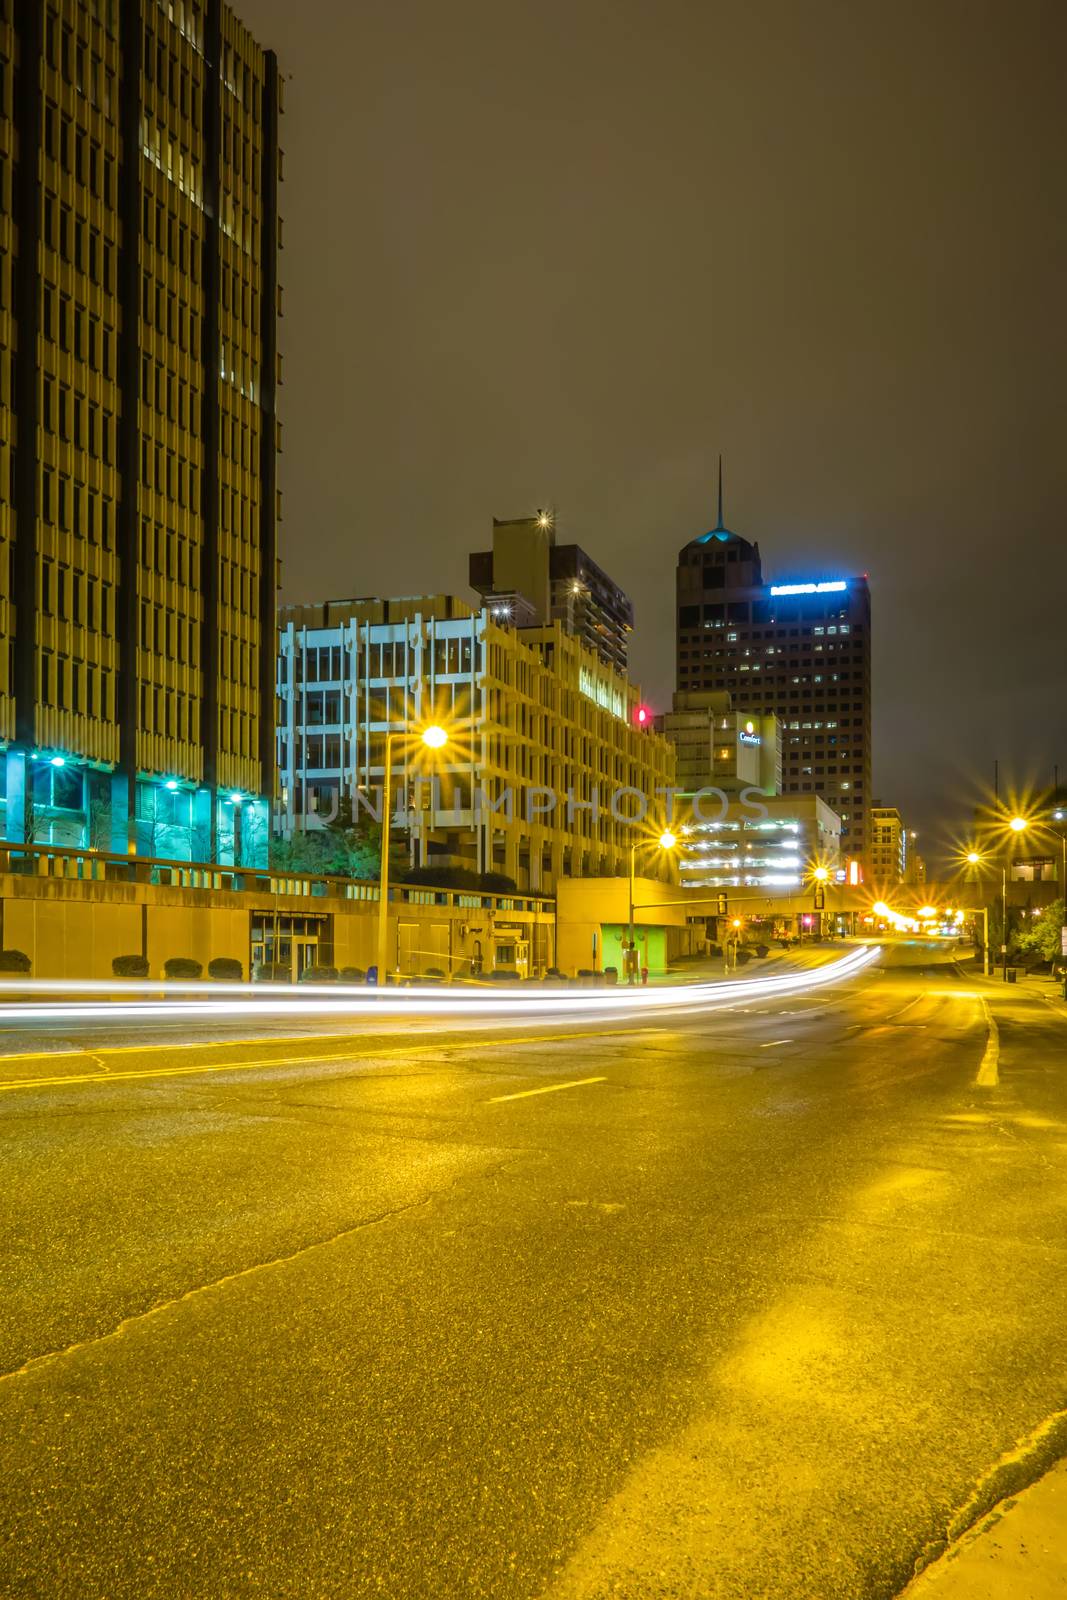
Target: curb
{"type": "Point", "coordinates": [1021, 1467]}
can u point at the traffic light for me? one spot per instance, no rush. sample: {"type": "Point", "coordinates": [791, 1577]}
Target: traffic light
{"type": "Point", "coordinates": [722, 905]}
{"type": "Point", "coordinates": [820, 897]}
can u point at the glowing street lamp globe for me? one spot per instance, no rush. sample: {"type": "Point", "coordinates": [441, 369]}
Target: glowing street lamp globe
{"type": "Point", "coordinates": [667, 840]}
{"type": "Point", "coordinates": [1017, 824]}
{"type": "Point", "coordinates": [880, 909]}
{"type": "Point", "coordinates": [434, 737]}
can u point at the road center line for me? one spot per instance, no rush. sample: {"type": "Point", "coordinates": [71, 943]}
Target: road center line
{"type": "Point", "coordinates": [989, 1070]}
{"type": "Point", "coordinates": [407, 1052]}
{"type": "Point", "coordinates": [549, 1088]}
{"type": "Point", "coordinates": [772, 1042]}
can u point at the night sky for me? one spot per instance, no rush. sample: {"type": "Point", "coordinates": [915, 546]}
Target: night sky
{"type": "Point", "coordinates": [562, 254]}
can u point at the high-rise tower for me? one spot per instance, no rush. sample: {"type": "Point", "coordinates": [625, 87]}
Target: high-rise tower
{"type": "Point", "coordinates": [138, 303]}
{"type": "Point", "coordinates": [800, 649]}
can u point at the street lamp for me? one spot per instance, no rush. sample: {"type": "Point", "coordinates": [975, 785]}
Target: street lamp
{"type": "Point", "coordinates": [666, 841]}
{"type": "Point", "coordinates": [433, 737]}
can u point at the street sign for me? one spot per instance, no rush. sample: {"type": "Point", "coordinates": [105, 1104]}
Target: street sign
{"type": "Point", "coordinates": [1063, 941]}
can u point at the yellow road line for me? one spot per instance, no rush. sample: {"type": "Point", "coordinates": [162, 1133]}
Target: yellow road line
{"type": "Point", "coordinates": [549, 1088]}
{"type": "Point", "coordinates": [293, 1061]}
{"type": "Point", "coordinates": [989, 1067]}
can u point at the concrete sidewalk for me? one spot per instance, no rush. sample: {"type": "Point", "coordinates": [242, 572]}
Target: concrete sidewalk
{"type": "Point", "coordinates": [1039, 985]}
{"type": "Point", "coordinates": [1017, 1552]}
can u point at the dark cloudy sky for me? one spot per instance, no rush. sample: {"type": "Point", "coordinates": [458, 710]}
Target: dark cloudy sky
{"type": "Point", "coordinates": [563, 253]}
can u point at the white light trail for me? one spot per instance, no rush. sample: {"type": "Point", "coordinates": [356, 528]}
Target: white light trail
{"type": "Point", "coordinates": [234, 1001]}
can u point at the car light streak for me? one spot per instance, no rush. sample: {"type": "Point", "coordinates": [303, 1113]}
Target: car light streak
{"type": "Point", "coordinates": [234, 1001]}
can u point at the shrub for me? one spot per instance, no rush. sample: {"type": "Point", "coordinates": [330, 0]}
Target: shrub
{"type": "Point", "coordinates": [226, 969]}
{"type": "Point", "coordinates": [14, 961]}
{"type": "Point", "coordinates": [763, 950]}
{"type": "Point", "coordinates": [742, 956]}
{"type": "Point", "coordinates": [129, 967]}
{"type": "Point", "coordinates": [353, 975]}
{"type": "Point", "coordinates": [432, 972]}
{"type": "Point", "coordinates": [183, 968]}
{"type": "Point", "coordinates": [504, 975]}
{"type": "Point", "coordinates": [318, 974]}
{"type": "Point", "coordinates": [497, 883]}
{"type": "Point", "coordinates": [273, 972]}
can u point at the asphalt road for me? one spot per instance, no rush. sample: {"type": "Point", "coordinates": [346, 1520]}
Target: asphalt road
{"type": "Point", "coordinates": [746, 1305]}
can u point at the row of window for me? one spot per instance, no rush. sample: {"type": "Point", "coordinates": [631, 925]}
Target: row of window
{"type": "Point", "coordinates": [78, 65]}
{"type": "Point", "coordinates": [169, 394]}
{"type": "Point", "coordinates": [77, 331]}
{"type": "Point", "coordinates": [176, 321]}
{"type": "Point", "coordinates": [167, 473]}
{"type": "Point", "coordinates": [169, 76]}
{"type": "Point", "coordinates": [170, 237]}
{"type": "Point", "coordinates": [76, 686]}
{"type": "Point", "coordinates": [78, 242]}
{"type": "Point", "coordinates": [77, 508]}
{"type": "Point", "coordinates": [77, 597]}
{"type": "Point", "coordinates": [171, 637]}
{"type": "Point", "coordinates": [77, 420]}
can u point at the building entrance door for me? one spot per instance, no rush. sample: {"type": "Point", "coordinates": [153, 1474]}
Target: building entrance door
{"type": "Point", "coordinates": [286, 945]}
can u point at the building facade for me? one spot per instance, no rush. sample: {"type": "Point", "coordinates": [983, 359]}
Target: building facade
{"type": "Point", "coordinates": [138, 324]}
{"type": "Point", "coordinates": [798, 650]}
{"type": "Point", "coordinates": [770, 844]}
{"type": "Point", "coordinates": [889, 846]}
{"type": "Point", "coordinates": [531, 580]}
{"type": "Point", "coordinates": [718, 747]}
{"type": "Point", "coordinates": [544, 737]}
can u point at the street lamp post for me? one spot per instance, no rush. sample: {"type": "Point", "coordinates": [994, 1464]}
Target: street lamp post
{"type": "Point", "coordinates": [666, 841]}
{"type": "Point", "coordinates": [433, 738]}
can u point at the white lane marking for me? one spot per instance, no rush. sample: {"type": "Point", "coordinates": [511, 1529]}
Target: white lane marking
{"type": "Point", "coordinates": [772, 1042]}
{"type": "Point", "coordinates": [549, 1088]}
{"type": "Point", "coordinates": [989, 1070]}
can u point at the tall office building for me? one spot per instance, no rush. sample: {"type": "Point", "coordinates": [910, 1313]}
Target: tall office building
{"type": "Point", "coordinates": [138, 316]}
{"type": "Point", "coordinates": [797, 649]}
{"type": "Point", "coordinates": [534, 580]}
{"type": "Point", "coordinates": [889, 846]}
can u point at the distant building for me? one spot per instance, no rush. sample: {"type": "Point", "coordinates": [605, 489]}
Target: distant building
{"type": "Point", "coordinates": [137, 428]}
{"type": "Point", "coordinates": [546, 733]}
{"type": "Point", "coordinates": [535, 580]}
{"type": "Point", "coordinates": [889, 846]}
{"type": "Point", "coordinates": [716, 746]}
{"type": "Point", "coordinates": [769, 844]}
{"type": "Point", "coordinates": [798, 649]}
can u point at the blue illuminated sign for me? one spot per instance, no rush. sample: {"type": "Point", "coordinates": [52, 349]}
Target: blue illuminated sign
{"type": "Point", "coordinates": [810, 588]}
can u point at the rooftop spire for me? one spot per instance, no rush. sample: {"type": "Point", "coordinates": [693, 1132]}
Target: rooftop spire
{"type": "Point", "coordinates": [719, 525]}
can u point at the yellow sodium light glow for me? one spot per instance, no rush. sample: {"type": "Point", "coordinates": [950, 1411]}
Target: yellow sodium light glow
{"type": "Point", "coordinates": [434, 736]}
{"type": "Point", "coordinates": [667, 840]}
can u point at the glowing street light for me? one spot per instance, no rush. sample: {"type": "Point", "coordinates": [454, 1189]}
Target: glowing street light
{"type": "Point", "coordinates": [821, 874]}
{"type": "Point", "coordinates": [433, 737]}
{"type": "Point", "coordinates": [880, 909]}
{"type": "Point", "coordinates": [1017, 824]}
{"type": "Point", "coordinates": [666, 841]}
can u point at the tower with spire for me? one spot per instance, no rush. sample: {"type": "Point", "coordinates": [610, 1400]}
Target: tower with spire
{"type": "Point", "coordinates": [798, 649]}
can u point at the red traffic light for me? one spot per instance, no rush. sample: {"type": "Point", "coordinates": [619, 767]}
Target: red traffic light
{"type": "Point", "coordinates": [643, 716]}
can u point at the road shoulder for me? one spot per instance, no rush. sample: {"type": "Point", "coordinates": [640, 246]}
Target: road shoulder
{"type": "Point", "coordinates": [1018, 1551]}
